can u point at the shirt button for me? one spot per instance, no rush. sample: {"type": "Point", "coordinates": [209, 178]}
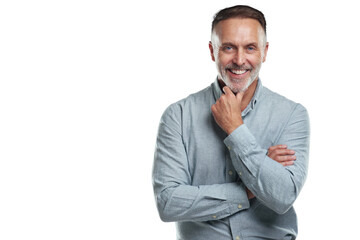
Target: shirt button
{"type": "Point", "coordinates": [237, 238]}
{"type": "Point", "coordinates": [239, 206]}
{"type": "Point", "coordinates": [214, 216]}
{"type": "Point", "coordinates": [230, 172]}
{"type": "Point", "coordinates": [239, 173]}
{"type": "Point", "coordinates": [229, 147]}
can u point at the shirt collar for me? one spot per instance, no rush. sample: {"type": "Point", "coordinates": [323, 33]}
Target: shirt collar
{"type": "Point", "coordinates": [257, 94]}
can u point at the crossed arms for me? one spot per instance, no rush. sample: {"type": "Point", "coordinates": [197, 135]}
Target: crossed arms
{"type": "Point", "coordinates": [275, 185]}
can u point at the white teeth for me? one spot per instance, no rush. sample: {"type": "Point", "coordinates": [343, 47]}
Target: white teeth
{"type": "Point", "coordinates": [238, 72]}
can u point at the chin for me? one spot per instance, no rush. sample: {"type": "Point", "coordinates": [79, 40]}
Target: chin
{"type": "Point", "coordinates": [237, 87]}
{"type": "Point", "coordinates": [237, 90]}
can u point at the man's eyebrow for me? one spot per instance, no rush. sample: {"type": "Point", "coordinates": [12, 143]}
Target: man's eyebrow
{"type": "Point", "coordinates": [228, 44]}
{"type": "Point", "coordinates": [233, 45]}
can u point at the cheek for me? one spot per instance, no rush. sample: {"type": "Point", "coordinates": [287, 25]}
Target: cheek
{"type": "Point", "coordinates": [224, 59]}
{"type": "Point", "coordinates": [255, 60]}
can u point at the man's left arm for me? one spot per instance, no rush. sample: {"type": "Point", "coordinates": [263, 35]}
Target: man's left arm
{"type": "Point", "coordinates": [274, 185]}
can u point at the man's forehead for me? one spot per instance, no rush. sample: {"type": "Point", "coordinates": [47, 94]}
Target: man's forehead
{"type": "Point", "coordinates": [238, 29]}
{"type": "Point", "coordinates": [235, 23]}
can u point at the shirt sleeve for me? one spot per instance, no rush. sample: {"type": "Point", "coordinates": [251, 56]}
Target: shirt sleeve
{"type": "Point", "coordinates": [177, 200]}
{"type": "Point", "coordinates": [276, 186]}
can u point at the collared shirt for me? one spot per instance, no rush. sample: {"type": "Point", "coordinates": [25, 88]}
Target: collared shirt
{"type": "Point", "coordinates": [200, 173]}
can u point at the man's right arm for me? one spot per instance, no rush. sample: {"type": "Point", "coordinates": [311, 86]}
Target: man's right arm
{"type": "Point", "coordinates": [176, 198]}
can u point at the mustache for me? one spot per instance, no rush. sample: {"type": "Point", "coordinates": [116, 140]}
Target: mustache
{"type": "Point", "coordinates": [234, 66]}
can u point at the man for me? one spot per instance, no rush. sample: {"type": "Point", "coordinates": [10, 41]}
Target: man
{"type": "Point", "coordinates": [231, 159]}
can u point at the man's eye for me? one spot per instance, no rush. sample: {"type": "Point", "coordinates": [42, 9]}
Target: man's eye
{"type": "Point", "coordinates": [250, 48]}
{"type": "Point", "coordinates": [228, 48]}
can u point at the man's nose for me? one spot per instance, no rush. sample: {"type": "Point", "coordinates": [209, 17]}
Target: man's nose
{"type": "Point", "coordinates": [239, 58]}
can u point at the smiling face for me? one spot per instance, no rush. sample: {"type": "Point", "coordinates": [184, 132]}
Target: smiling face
{"type": "Point", "coordinates": [238, 46]}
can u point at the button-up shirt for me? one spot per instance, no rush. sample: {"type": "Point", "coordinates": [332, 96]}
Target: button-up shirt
{"type": "Point", "coordinates": [200, 173]}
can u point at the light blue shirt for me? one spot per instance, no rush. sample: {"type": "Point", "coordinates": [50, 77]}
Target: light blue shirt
{"type": "Point", "coordinates": [200, 173]}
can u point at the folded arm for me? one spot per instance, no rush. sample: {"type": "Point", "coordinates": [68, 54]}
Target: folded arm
{"type": "Point", "coordinates": [176, 198]}
{"type": "Point", "coordinates": [274, 185]}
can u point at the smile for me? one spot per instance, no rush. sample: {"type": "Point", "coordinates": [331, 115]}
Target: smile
{"type": "Point", "coordinates": [238, 72]}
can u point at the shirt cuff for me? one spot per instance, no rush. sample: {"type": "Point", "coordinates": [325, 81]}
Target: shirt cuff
{"type": "Point", "coordinates": [245, 151]}
{"type": "Point", "coordinates": [240, 139]}
{"type": "Point", "coordinates": [236, 196]}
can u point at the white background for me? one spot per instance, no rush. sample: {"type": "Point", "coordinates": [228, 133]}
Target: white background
{"type": "Point", "coordinates": [83, 85]}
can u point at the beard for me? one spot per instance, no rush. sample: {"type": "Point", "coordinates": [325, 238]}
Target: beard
{"type": "Point", "coordinates": [239, 85]}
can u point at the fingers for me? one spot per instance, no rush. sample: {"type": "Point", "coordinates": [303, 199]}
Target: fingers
{"type": "Point", "coordinates": [288, 163]}
{"type": "Point", "coordinates": [227, 91]}
{"type": "Point", "coordinates": [281, 152]}
{"type": "Point", "coordinates": [282, 155]}
{"type": "Point", "coordinates": [238, 95]}
{"type": "Point", "coordinates": [249, 194]}
{"type": "Point", "coordinates": [276, 147]}
{"type": "Point", "coordinates": [283, 158]}
{"type": "Point", "coordinates": [227, 111]}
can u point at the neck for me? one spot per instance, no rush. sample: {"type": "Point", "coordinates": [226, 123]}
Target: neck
{"type": "Point", "coordinates": [249, 93]}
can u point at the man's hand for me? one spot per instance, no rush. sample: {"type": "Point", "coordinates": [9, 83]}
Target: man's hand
{"type": "Point", "coordinates": [227, 110]}
{"type": "Point", "coordinates": [250, 195]}
{"type": "Point", "coordinates": [282, 155]}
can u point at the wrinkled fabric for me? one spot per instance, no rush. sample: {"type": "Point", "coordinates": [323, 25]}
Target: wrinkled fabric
{"type": "Point", "coordinates": [200, 173]}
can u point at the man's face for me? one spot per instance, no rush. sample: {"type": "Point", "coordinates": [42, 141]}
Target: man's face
{"type": "Point", "coordinates": [238, 47]}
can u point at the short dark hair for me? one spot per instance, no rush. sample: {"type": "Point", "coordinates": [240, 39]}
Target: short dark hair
{"type": "Point", "coordinates": [239, 11]}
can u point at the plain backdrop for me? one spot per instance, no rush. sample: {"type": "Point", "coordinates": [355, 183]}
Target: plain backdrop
{"type": "Point", "coordinates": [83, 85]}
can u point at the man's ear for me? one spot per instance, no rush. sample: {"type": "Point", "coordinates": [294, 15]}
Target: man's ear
{"type": "Point", "coordinates": [211, 51]}
{"type": "Point", "coordinates": [265, 51]}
